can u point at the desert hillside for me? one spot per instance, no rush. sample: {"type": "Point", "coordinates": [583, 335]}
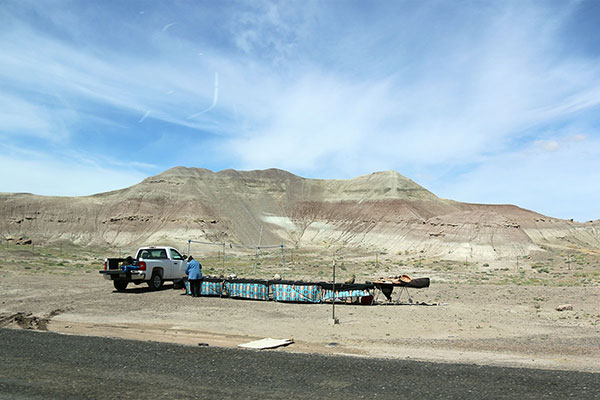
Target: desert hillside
{"type": "Point", "coordinates": [383, 211]}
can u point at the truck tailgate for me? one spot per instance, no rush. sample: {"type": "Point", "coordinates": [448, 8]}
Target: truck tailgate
{"type": "Point", "coordinates": [117, 273]}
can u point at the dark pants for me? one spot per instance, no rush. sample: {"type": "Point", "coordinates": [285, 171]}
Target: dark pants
{"type": "Point", "coordinates": [195, 285]}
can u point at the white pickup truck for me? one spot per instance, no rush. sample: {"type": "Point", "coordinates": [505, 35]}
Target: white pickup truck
{"type": "Point", "coordinates": [153, 265]}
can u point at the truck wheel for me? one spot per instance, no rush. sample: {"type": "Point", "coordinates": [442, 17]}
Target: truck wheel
{"type": "Point", "coordinates": [120, 285]}
{"type": "Point", "coordinates": [155, 282]}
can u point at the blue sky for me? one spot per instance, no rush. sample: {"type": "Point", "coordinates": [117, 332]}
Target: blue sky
{"type": "Point", "coordinates": [478, 101]}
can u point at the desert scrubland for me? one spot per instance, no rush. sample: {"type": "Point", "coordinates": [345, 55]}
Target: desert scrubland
{"type": "Point", "coordinates": [488, 313]}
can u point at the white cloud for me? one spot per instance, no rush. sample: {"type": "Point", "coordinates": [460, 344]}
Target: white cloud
{"type": "Point", "coordinates": [315, 119]}
{"type": "Point", "coordinates": [320, 91]}
{"type": "Point", "coordinates": [46, 176]}
{"type": "Point", "coordinates": [578, 137]}
{"type": "Point", "coordinates": [560, 183]}
{"type": "Point", "coordinates": [23, 118]}
{"type": "Point", "coordinates": [547, 145]}
{"type": "Point", "coordinates": [478, 97]}
{"type": "Point", "coordinates": [269, 29]}
{"type": "Point", "coordinates": [51, 68]}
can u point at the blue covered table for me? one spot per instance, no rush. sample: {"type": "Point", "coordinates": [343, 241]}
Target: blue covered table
{"type": "Point", "coordinates": [345, 291]}
{"type": "Point", "coordinates": [254, 289]}
{"type": "Point", "coordinates": [295, 291]}
{"type": "Point", "coordinates": [208, 287]}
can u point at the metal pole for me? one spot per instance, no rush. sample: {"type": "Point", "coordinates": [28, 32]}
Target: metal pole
{"type": "Point", "coordinates": [282, 263]}
{"type": "Point", "coordinates": [334, 320]}
{"type": "Point", "coordinates": [333, 299]}
{"type": "Point", "coordinates": [223, 256]}
{"type": "Point", "coordinates": [256, 259]}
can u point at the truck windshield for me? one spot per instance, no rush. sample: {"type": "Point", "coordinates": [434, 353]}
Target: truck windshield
{"type": "Point", "coordinates": [152, 254]}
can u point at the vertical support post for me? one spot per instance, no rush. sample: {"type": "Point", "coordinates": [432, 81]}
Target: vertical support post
{"type": "Point", "coordinates": [256, 259]}
{"type": "Point", "coordinates": [333, 302]}
{"type": "Point", "coordinates": [282, 263]}
{"type": "Point", "coordinates": [223, 256]}
{"type": "Point", "coordinates": [189, 242]}
{"type": "Point", "coordinates": [334, 320]}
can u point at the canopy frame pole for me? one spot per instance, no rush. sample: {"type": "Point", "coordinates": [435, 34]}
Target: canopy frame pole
{"type": "Point", "coordinates": [334, 320]}
{"type": "Point", "coordinates": [282, 263]}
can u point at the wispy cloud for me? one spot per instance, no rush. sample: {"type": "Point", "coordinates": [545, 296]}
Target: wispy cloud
{"type": "Point", "coordinates": [446, 92]}
{"type": "Point", "coordinates": [70, 175]}
{"type": "Point", "coordinates": [146, 114]}
{"type": "Point", "coordinates": [167, 26]}
{"type": "Point", "coordinates": [557, 178]}
{"type": "Point", "coordinates": [215, 99]}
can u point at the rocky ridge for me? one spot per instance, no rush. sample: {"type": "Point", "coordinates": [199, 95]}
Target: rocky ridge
{"type": "Point", "coordinates": [383, 211]}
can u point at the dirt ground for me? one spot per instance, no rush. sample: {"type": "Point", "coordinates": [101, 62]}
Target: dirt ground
{"type": "Point", "coordinates": [493, 324]}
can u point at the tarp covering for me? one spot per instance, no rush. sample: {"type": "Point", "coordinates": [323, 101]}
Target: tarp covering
{"type": "Point", "coordinates": [305, 292]}
{"type": "Point", "coordinates": [346, 286]}
{"type": "Point", "coordinates": [344, 294]}
{"type": "Point", "coordinates": [300, 291]}
{"type": "Point", "coordinates": [254, 289]}
{"type": "Point", "coordinates": [344, 291]}
{"type": "Point", "coordinates": [211, 287]}
{"type": "Point", "coordinates": [418, 283]}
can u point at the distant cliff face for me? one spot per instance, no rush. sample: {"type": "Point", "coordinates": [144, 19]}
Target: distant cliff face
{"type": "Point", "coordinates": [383, 210]}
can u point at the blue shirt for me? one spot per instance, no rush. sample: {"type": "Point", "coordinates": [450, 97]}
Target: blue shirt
{"type": "Point", "coordinates": [194, 270]}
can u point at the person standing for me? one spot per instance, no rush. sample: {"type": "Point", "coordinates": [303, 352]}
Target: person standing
{"type": "Point", "coordinates": [194, 273]}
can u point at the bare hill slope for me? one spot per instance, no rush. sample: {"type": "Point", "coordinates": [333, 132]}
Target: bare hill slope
{"type": "Point", "coordinates": [383, 210]}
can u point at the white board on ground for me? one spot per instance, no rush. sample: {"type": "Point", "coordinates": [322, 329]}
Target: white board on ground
{"type": "Point", "coordinates": [266, 343]}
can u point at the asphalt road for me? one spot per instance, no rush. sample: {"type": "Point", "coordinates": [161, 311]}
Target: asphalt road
{"type": "Point", "coordinates": [42, 365]}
